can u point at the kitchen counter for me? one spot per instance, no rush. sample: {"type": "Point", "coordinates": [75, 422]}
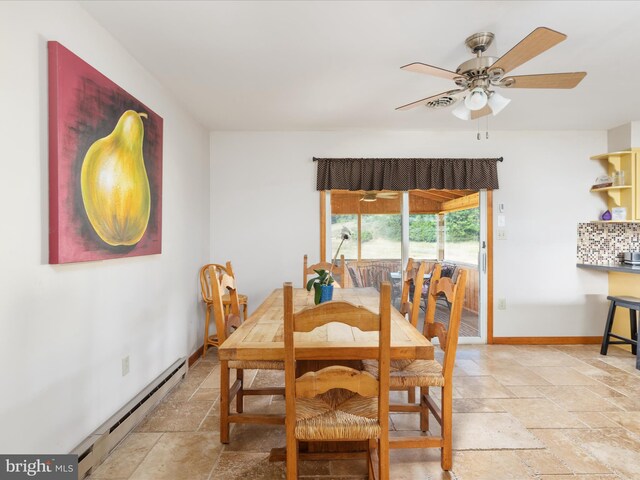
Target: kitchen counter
{"type": "Point", "coordinates": [616, 267]}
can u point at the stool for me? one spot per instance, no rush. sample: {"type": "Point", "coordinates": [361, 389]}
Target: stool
{"type": "Point", "coordinates": [633, 304]}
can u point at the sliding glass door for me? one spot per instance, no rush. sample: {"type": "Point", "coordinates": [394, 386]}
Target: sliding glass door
{"type": "Point", "coordinates": [429, 226]}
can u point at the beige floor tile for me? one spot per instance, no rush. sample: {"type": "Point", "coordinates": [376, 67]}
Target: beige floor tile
{"type": "Point", "coordinates": [579, 477]}
{"type": "Point", "coordinates": [256, 438]}
{"type": "Point", "coordinates": [535, 356]}
{"type": "Point", "coordinates": [175, 417]}
{"type": "Point", "coordinates": [341, 468]}
{"type": "Point", "coordinates": [626, 403]}
{"type": "Point", "coordinates": [468, 368]}
{"type": "Point", "coordinates": [490, 439]}
{"type": "Point", "coordinates": [604, 391]}
{"type": "Point", "coordinates": [564, 376]}
{"type": "Point", "coordinates": [595, 420]}
{"type": "Point", "coordinates": [490, 465]}
{"type": "Point", "coordinates": [477, 405]}
{"type": "Point", "coordinates": [127, 456]}
{"type": "Point", "coordinates": [481, 387]}
{"type": "Point", "coordinates": [488, 431]}
{"type": "Point", "coordinates": [256, 466]}
{"type": "Point", "coordinates": [411, 464]}
{"type": "Point", "coordinates": [525, 391]}
{"type": "Point", "coordinates": [628, 420]}
{"type": "Point", "coordinates": [579, 461]}
{"type": "Point", "coordinates": [509, 375]}
{"type": "Point", "coordinates": [180, 456]}
{"type": "Point", "coordinates": [542, 462]}
{"type": "Point", "coordinates": [540, 413]}
{"type": "Point", "coordinates": [184, 390]}
{"type": "Point", "coordinates": [205, 394]}
{"type": "Point", "coordinates": [578, 399]}
{"type": "Point", "coordinates": [616, 448]}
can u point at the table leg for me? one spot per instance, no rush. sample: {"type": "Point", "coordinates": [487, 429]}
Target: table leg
{"type": "Point", "coordinates": [224, 401]}
{"type": "Point", "coordinates": [240, 394]}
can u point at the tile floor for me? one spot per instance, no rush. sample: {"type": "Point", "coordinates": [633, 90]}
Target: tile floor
{"type": "Point", "coordinates": [520, 412]}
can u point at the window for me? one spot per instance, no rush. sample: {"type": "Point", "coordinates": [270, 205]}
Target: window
{"type": "Point", "coordinates": [462, 236]}
{"type": "Point", "coordinates": [381, 237]}
{"type": "Point", "coordinates": [423, 236]}
{"type": "Point", "coordinates": [349, 248]}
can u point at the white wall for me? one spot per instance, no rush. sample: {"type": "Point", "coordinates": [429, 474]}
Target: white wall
{"type": "Point", "coordinates": [266, 213]}
{"type": "Point", "coordinates": [64, 329]}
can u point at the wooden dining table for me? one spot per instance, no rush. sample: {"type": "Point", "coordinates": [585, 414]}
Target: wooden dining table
{"type": "Point", "coordinates": [260, 337]}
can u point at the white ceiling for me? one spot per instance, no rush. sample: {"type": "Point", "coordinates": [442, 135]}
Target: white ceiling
{"type": "Point", "coordinates": [335, 65]}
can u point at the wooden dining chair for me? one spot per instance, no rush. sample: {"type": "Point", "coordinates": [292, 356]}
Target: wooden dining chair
{"type": "Point", "coordinates": [411, 308]}
{"type": "Point", "coordinates": [339, 271]}
{"type": "Point", "coordinates": [206, 289]}
{"type": "Point", "coordinates": [220, 282]}
{"type": "Point", "coordinates": [430, 373]}
{"type": "Point", "coordinates": [338, 403]}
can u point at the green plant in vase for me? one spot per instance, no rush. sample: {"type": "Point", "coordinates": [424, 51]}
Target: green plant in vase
{"type": "Point", "coordinates": [323, 283]}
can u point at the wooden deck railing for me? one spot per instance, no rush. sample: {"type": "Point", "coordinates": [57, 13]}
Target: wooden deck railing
{"type": "Point", "coordinates": [372, 272]}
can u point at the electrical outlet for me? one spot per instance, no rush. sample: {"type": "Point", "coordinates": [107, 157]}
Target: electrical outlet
{"type": "Point", "coordinates": [501, 233]}
{"type": "Point", "coordinates": [125, 366]}
{"type": "Point", "coordinates": [502, 304]}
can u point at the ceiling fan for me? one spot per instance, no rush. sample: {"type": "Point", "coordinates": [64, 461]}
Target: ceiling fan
{"type": "Point", "coordinates": [476, 77]}
{"type": "Point", "coordinates": [372, 196]}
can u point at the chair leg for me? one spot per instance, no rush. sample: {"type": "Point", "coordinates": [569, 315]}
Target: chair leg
{"type": "Point", "coordinates": [206, 332]}
{"type": "Point", "coordinates": [383, 457]}
{"type": "Point", "coordinates": [292, 460]}
{"type": "Point", "coordinates": [607, 328]}
{"type": "Point", "coordinates": [224, 401]}
{"type": "Point", "coordinates": [240, 394]}
{"type": "Point", "coordinates": [411, 395]}
{"type": "Point", "coordinates": [373, 444]}
{"type": "Point", "coordinates": [446, 460]}
{"type": "Point", "coordinates": [424, 409]}
{"type": "Point", "coordinates": [634, 330]}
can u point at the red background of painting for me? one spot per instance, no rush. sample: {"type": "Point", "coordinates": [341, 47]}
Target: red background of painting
{"type": "Point", "coordinates": [85, 106]}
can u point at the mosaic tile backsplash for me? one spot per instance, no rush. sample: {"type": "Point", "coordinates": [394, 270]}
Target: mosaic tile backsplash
{"type": "Point", "coordinates": [605, 243]}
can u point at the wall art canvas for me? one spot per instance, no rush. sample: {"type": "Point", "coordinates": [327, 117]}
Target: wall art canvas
{"type": "Point", "coordinates": [105, 166]}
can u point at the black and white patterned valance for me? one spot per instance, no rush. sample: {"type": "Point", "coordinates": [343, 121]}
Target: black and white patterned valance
{"type": "Point", "coordinates": [407, 173]}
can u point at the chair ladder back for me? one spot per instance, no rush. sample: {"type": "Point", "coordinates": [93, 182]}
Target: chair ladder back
{"type": "Point", "coordinates": [310, 318]}
{"type": "Point", "coordinates": [406, 283]}
{"type": "Point", "coordinates": [414, 313]}
{"type": "Point", "coordinates": [339, 270]}
{"type": "Point", "coordinates": [430, 314]}
{"type": "Point", "coordinates": [215, 271]}
{"type": "Point", "coordinates": [454, 324]}
{"type": "Point", "coordinates": [314, 383]}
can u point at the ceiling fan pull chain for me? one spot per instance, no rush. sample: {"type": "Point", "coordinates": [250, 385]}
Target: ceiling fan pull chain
{"type": "Point", "coordinates": [478, 136]}
{"type": "Point", "coordinates": [487, 128]}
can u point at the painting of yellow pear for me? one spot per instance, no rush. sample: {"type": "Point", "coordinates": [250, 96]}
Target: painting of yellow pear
{"type": "Point", "coordinates": [105, 166]}
{"type": "Point", "coordinates": [115, 187]}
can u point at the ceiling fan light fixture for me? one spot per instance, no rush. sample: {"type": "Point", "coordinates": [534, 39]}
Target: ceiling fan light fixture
{"type": "Point", "coordinates": [477, 99]}
{"type": "Point", "coordinates": [497, 102]}
{"type": "Point", "coordinates": [462, 112]}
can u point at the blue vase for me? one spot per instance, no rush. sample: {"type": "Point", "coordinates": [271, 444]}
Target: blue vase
{"type": "Point", "coordinates": [326, 293]}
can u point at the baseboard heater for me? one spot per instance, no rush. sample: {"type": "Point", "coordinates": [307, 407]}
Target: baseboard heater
{"type": "Point", "coordinates": [93, 451]}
